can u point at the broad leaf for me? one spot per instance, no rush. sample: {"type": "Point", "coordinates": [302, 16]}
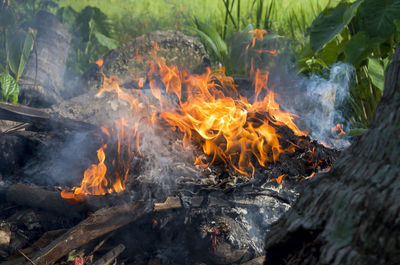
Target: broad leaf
{"type": "Point", "coordinates": [331, 22]}
{"type": "Point", "coordinates": [360, 47]}
{"type": "Point", "coordinates": [67, 16]}
{"type": "Point", "coordinates": [19, 45]}
{"type": "Point", "coordinates": [106, 41]}
{"type": "Point", "coordinates": [377, 17]}
{"type": "Point", "coordinates": [376, 72]}
{"type": "Point", "coordinates": [9, 88]}
{"type": "Point", "coordinates": [330, 52]}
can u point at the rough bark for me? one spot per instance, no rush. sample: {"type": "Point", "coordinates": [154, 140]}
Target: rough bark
{"type": "Point", "coordinates": [350, 215]}
{"type": "Point", "coordinates": [44, 72]}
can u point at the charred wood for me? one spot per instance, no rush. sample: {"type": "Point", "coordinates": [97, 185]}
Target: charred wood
{"type": "Point", "coordinates": [39, 119]}
{"type": "Point", "coordinates": [111, 255]}
{"type": "Point", "coordinates": [99, 223]}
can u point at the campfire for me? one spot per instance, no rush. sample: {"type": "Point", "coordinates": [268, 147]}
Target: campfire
{"type": "Point", "coordinates": [206, 111]}
{"type": "Point", "coordinates": [192, 170]}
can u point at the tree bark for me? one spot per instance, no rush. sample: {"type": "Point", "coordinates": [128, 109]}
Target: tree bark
{"type": "Point", "coordinates": [350, 215]}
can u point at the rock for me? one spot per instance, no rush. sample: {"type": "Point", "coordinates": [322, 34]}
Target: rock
{"type": "Point", "coordinates": [101, 111]}
{"type": "Point", "coordinates": [5, 235]}
{"type": "Point", "coordinates": [130, 60]}
{"type": "Point", "coordinates": [43, 76]}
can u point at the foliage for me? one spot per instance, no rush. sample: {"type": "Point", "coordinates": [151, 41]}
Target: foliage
{"type": "Point", "coordinates": [16, 40]}
{"type": "Point", "coordinates": [364, 34]}
{"type": "Point", "coordinates": [9, 88]}
{"type": "Point", "coordinates": [92, 36]}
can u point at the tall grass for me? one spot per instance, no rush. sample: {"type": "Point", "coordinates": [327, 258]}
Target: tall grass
{"type": "Point", "coordinates": [134, 17]}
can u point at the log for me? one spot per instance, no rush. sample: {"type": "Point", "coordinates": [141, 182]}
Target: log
{"type": "Point", "coordinates": [37, 197]}
{"type": "Point", "coordinates": [40, 119]}
{"type": "Point", "coordinates": [351, 214]}
{"type": "Point", "coordinates": [100, 223]}
{"type": "Point", "coordinates": [111, 255]}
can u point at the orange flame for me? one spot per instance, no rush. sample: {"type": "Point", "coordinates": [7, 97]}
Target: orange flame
{"type": "Point", "coordinates": [279, 179]}
{"type": "Point", "coordinates": [338, 130]}
{"type": "Point", "coordinates": [258, 34]}
{"type": "Point", "coordinates": [99, 62]}
{"type": "Point", "coordinates": [207, 109]}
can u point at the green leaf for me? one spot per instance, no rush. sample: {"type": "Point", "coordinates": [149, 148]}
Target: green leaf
{"type": "Point", "coordinates": [376, 72]}
{"type": "Point", "coordinates": [9, 88]}
{"type": "Point", "coordinates": [330, 52]}
{"type": "Point", "coordinates": [377, 17]}
{"type": "Point", "coordinates": [212, 38]}
{"type": "Point", "coordinates": [2, 69]}
{"type": "Point", "coordinates": [67, 16]}
{"type": "Point", "coordinates": [360, 47]}
{"type": "Point", "coordinates": [331, 22]}
{"type": "Point", "coordinates": [19, 46]}
{"type": "Point", "coordinates": [106, 41]}
{"type": "Point", "coordinates": [357, 132]}
{"type": "Point", "coordinates": [7, 17]}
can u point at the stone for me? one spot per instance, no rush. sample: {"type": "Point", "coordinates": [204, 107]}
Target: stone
{"type": "Point", "coordinates": [130, 60]}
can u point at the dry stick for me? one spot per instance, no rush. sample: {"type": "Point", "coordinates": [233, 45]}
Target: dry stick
{"type": "Point", "coordinates": [110, 256]}
{"type": "Point", "coordinates": [101, 222]}
{"type": "Point", "coordinates": [169, 204]}
{"type": "Point", "coordinates": [23, 254]}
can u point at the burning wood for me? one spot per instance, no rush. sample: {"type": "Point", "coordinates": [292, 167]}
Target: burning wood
{"type": "Point", "coordinates": [246, 155]}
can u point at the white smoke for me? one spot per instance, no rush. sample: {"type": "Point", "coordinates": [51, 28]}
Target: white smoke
{"type": "Point", "coordinates": [317, 101]}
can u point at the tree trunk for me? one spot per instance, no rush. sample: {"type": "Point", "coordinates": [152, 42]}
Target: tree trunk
{"type": "Point", "coordinates": [44, 72]}
{"type": "Point", "coordinates": [350, 215]}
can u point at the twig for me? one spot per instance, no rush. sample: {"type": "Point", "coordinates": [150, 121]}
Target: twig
{"type": "Point", "coordinates": [23, 254]}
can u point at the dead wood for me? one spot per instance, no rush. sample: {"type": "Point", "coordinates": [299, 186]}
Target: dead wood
{"type": "Point", "coordinates": [37, 197]}
{"type": "Point", "coordinates": [40, 119]}
{"type": "Point", "coordinates": [169, 204]}
{"type": "Point", "coordinates": [99, 223]}
{"type": "Point", "coordinates": [110, 256]}
{"type": "Point", "coordinates": [351, 214]}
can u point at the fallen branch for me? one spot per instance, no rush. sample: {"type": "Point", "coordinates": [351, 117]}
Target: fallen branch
{"type": "Point", "coordinates": [110, 256]}
{"type": "Point", "coordinates": [36, 197]}
{"type": "Point", "coordinates": [100, 223]}
{"type": "Point", "coordinates": [41, 119]}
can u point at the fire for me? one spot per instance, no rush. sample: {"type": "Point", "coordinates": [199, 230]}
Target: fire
{"type": "Point", "coordinates": [338, 130]}
{"type": "Point", "coordinates": [207, 110]}
{"type": "Point", "coordinates": [94, 179]}
{"type": "Point", "coordinates": [258, 34]}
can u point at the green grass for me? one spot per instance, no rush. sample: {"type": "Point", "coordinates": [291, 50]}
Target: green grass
{"type": "Point", "coordinates": [135, 17]}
